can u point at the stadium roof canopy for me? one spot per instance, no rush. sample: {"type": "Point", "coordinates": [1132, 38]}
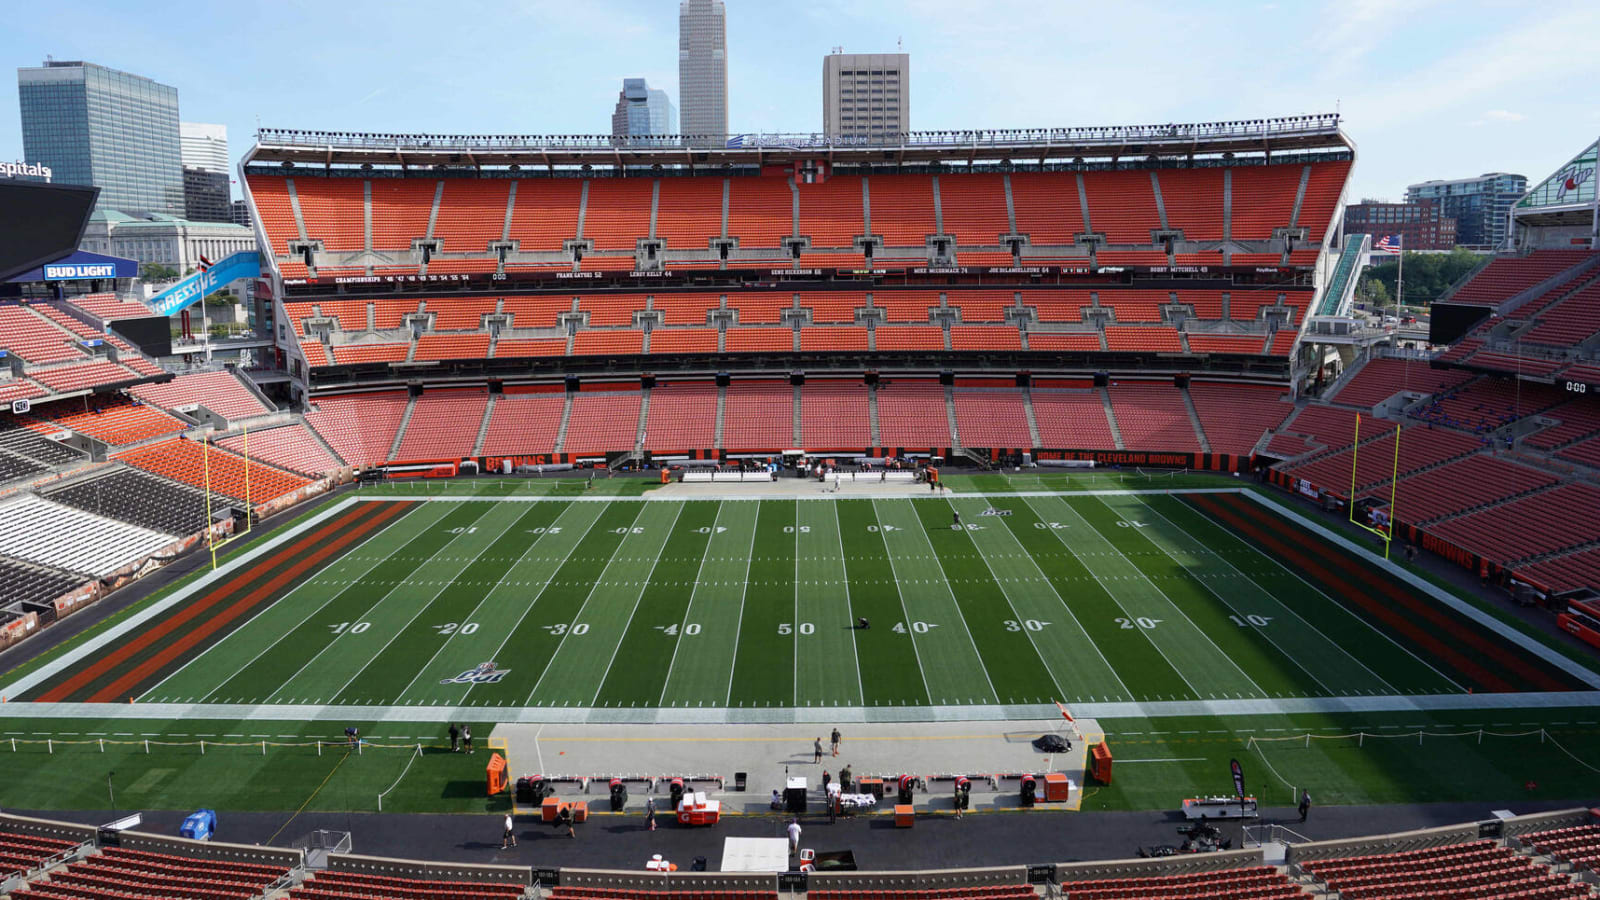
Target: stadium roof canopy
{"type": "Point", "coordinates": [329, 148]}
{"type": "Point", "coordinates": [1567, 198]}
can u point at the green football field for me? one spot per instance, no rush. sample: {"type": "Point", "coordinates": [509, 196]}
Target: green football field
{"type": "Point", "coordinates": [567, 598]}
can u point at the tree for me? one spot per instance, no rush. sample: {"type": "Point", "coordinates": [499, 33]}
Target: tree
{"type": "Point", "coordinates": [157, 272]}
{"type": "Point", "coordinates": [1428, 275]}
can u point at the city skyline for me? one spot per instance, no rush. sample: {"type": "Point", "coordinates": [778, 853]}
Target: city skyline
{"type": "Point", "coordinates": [1481, 94]}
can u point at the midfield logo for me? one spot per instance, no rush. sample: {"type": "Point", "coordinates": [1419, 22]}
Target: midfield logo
{"type": "Point", "coordinates": [483, 673]}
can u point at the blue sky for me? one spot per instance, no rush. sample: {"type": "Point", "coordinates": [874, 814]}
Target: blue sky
{"type": "Point", "coordinates": [1428, 88]}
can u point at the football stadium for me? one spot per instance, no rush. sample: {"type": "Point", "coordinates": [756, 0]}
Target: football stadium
{"type": "Point", "coordinates": [901, 490]}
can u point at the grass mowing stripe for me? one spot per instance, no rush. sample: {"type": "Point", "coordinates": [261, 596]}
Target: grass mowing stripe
{"type": "Point", "coordinates": [1129, 665]}
{"type": "Point", "coordinates": [389, 675]}
{"type": "Point", "coordinates": [1130, 592]}
{"type": "Point", "coordinates": [1265, 589]}
{"type": "Point", "coordinates": [68, 683]}
{"type": "Point", "coordinates": [335, 668]}
{"type": "Point", "coordinates": [200, 677]}
{"type": "Point", "coordinates": [1269, 663]}
{"type": "Point", "coordinates": [702, 666]}
{"type": "Point", "coordinates": [1038, 610]}
{"type": "Point", "coordinates": [1190, 648]}
{"type": "Point", "coordinates": [256, 681]}
{"type": "Point", "coordinates": [891, 672]}
{"type": "Point", "coordinates": [534, 639]}
{"type": "Point", "coordinates": [170, 655]}
{"type": "Point", "coordinates": [1010, 659]}
{"type": "Point", "coordinates": [578, 666]}
{"type": "Point", "coordinates": [1346, 586]}
{"type": "Point", "coordinates": [952, 667]}
{"type": "Point", "coordinates": [827, 668]}
{"type": "Point", "coordinates": [764, 667]}
{"type": "Point", "coordinates": [653, 636]}
{"type": "Point", "coordinates": [1408, 672]}
{"type": "Point", "coordinates": [502, 612]}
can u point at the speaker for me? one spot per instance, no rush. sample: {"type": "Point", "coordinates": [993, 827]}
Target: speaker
{"type": "Point", "coordinates": [794, 800]}
{"type": "Point", "coordinates": [1101, 379]}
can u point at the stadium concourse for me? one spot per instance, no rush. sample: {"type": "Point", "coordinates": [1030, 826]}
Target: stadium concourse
{"type": "Point", "coordinates": [513, 316]}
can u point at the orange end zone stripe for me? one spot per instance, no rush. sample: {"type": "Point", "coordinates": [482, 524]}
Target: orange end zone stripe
{"type": "Point", "coordinates": [122, 653]}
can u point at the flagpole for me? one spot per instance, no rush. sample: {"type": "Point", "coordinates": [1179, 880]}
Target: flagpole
{"type": "Point", "coordinates": [1400, 277]}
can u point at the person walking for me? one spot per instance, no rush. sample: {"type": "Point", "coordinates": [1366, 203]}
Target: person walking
{"type": "Point", "coordinates": [509, 837]}
{"type": "Point", "coordinates": [835, 739]}
{"type": "Point", "coordinates": [1305, 804]}
{"type": "Point", "coordinates": [794, 835]}
{"type": "Point", "coordinates": [455, 738]}
{"type": "Point", "coordinates": [844, 778]}
{"type": "Point", "coordinates": [650, 813]}
{"type": "Point", "coordinates": [466, 737]}
{"type": "Point", "coordinates": [816, 750]}
{"type": "Point", "coordinates": [565, 818]}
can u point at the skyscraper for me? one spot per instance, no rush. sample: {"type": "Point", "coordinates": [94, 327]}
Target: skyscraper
{"type": "Point", "coordinates": [703, 67]}
{"type": "Point", "coordinates": [642, 110]}
{"type": "Point", "coordinates": [111, 129]}
{"type": "Point", "coordinates": [866, 95]}
{"type": "Point", "coordinates": [205, 146]}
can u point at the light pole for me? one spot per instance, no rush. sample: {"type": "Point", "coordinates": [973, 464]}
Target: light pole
{"type": "Point", "coordinates": [109, 791]}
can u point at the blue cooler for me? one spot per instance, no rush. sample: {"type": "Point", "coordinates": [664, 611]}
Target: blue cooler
{"type": "Point", "coordinates": [199, 825]}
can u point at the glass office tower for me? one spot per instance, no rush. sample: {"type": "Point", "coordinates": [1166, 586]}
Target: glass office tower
{"type": "Point", "coordinates": [111, 129]}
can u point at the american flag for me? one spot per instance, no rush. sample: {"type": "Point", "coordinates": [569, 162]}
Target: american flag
{"type": "Point", "coordinates": [1389, 243]}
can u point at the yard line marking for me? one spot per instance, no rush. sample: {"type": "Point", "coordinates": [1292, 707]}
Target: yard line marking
{"type": "Point", "coordinates": [367, 612]}
{"type": "Point", "coordinates": [794, 679]}
{"type": "Point", "coordinates": [481, 600]}
{"type": "Point", "coordinates": [744, 592]}
{"type": "Point", "coordinates": [906, 611]}
{"type": "Point", "coordinates": [1224, 655]}
{"type": "Point", "coordinates": [688, 607]}
{"type": "Point", "coordinates": [578, 616]}
{"type": "Point", "coordinates": [336, 595]}
{"type": "Point", "coordinates": [637, 599]}
{"type": "Point", "coordinates": [1095, 573]}
{"type": "Point", "coordinates": [1206, 548]}
{"type": "Point", "coordinates": [1337, 605]}
{"type": "Point", "coordinates": [548, 582]}
{"type": "Point", "coordinates": [855, 651]}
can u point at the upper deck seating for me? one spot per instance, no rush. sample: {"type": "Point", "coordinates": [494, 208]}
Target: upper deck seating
{"type": "Point", "coordinates": [472, 213]}
{"type": "Point", "coordinates": [1122, 205]}
{"type": "Point", "coordinates": [1193, 200]}
{"type": "Point", "coordinates": [689, 212]}
{"type": "Point", "coordinates": [974, 208]}
{"type": "Point", "coordinates": [333, 210]}
{"type": "Point", "coordinates": [545, 213]}
{"type": "Point", "coordinates": [618, 212]}
{"type": "Point", "coordinates": [761, 212]}
{"type": "Point", "coordinates": [1505, 276]}
{"type": "Point", "coordinates": [1047, 207]}
{"type": "Point", "coordinates": [400, 211]}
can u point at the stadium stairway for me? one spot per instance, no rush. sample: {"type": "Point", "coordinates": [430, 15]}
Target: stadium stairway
{"type": "Point", "coordinates": [722, 412]}
{"type": "Point", "coordinates": [872, 415]}
{"type": "Point", "coordinates": [405, 420]}
{"type": "Point", "coordinates": [1111, 417]}
{"type": "Point", "coordinates": [1194, 420]}
{"type": "Point", "coordinates": [644, 416]}
{"type": "Point", "coordinates": [483, 427]}
{"type": "Point", "coordinates": [798, 419]}
{"type": "Point", "coordinates": [950, 414]}
{"type": "Point", "coordinates": [566, 416]}
{"type": "Point", "coordinates": [1027, 410]}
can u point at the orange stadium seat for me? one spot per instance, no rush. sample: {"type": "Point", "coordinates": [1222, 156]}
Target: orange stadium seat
{"type": "Point", "coordinates": [608, 341]}
{"type": "Point", "coordinates": [909, 337]}
{"type": "Point", "coordinates": [985, 337]}
{"type": "Point", "coordinates": [472, 213]}
{"type": "Point", "coordinates": [610, 309]}
{"type": "Point", "coordinates": [444, 425]}
{"type": "Point", "coordinates": [1070, 415]}
{"type": "Point", "coordinates": [452, 346]}
{"type": "Point", "coordinates": [603, 420]}
{"type": "Point", "coordinates": [682, 415]}
{"type": "Point", "coordinates": [545, 212]}
{"type": "Point", "coordinates": [683, 340]}
{"type": "Point", "coordinates": [290, 447]}
{"type": "Point", "coordinates": [689, 212]}
{"type": "Point", "coordinates": [1064, 341]}
{"type": "Point", "coordinates": [333, 211]}
{"type": "Point", "coordinates": [760, 211]}
{"type": "Point", "coordinates": [459, 313]}
{"type": "Point", "coordinates": [905, 306]}
{"type": "Point", "coordinates": [400, 211]}
{"type": "Point", "coordinates": [525, 420]}
{"type": "Point", "coordinates": [1263, 199]}
{"type": "Point", "coordinates": [1151, 416]}
{"type": "Point", "coordinates": [758, 415]}
{"type": "Point", "coordinates": [359, 427]}
{"type": "Point", "coordinates": [1226, 343]}
{"type": "Point", "coordinates": [344, 354]}
{"type": "Point", "coordinates": [112, 420]}
{"type": "Point", "coordinates": [270, 194]}
{"type": "Point", "coordinates": [902, 209]}
{"type": "Point", "coordinates": [1122, 205]}
{"type": "Point", "coordinates": [537, 312]}
{"type": "Point", "coordinates": [832, 338]}
{"type": "Point", "coordinates": [760, 340]}
{"type": "Point", "coordinates": [1323, 188]}
{"type": "Point", "coordinates": [982, 306]}
{"type": "Point", "coordinates": [974, 209]}
{"type": "Point", "coordinates": [188, 461]}
{"type": "Point", "coordinates": [685, 309]}
{"type": "Point", "coordinates": [1146, 339]}
{"type": "Point", "coordinates": [833, 306]}
{"type": "Point", "coordinates": [989, 413]}
{"type": "Point", "coordinates": [831, 212]}
{"type": "Point", "coordinates": [1235, 416]}
{"type": "Point", "coordinates": [513, 348]}
{"type": "Point", "coordinates": [1193, 200]}
{"type": "Point", "coordinates": [834, 414]}
{"type": "Point", "coordinates": [1047, 207]}
{"type": "Point", "coordinates": [912, 414]}
{"type": "Point", "coordinates": [618, 212]}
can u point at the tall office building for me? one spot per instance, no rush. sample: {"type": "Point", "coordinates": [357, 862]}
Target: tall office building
{"type": "Point", "coordinates": [1420, 226]}
{"type": "Point", "coordinates": [642, 110]}
{"type": "Point", "coordinates": [703, 67]}
{"type": "Point", "coordinates": [1481, 206]}
{"type": "Point", "coordinates": [205, 146]}
{"type": "Point", "coordinates": [866, 95]}
{"type": "Point", "coordinates": [206, 196]}
{"type": "Point", "coordinates": [111, 129]}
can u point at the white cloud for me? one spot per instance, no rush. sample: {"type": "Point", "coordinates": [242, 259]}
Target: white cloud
{"type": "Point", "coordinates": [1503, 115]}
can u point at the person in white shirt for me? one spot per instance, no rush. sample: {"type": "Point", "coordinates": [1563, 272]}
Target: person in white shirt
{"type": "Point", "coordinates": [509, 838]}
{"type": "Point", "coordinates": [794, 836]}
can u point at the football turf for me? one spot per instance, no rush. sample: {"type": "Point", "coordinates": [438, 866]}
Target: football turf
{"type": "Point", "coordinates": [425, 597]}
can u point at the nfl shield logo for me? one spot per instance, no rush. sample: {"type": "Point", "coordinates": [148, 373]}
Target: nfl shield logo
{"type": "Point", "coordinates": [482, 673]}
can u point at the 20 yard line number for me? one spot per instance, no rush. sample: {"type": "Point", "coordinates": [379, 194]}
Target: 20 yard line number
{"type": "Point", "coordinates": [450, 628]}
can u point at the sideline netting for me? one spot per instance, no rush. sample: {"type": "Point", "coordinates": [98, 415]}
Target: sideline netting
{"type": "Point", "coordinates": [397, 781]}
{"type": "Point", "coordinates": [1420, 736]}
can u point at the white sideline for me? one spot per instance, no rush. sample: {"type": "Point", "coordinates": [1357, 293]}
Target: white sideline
{"type": "Point", "coordinates": [707, 715]}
